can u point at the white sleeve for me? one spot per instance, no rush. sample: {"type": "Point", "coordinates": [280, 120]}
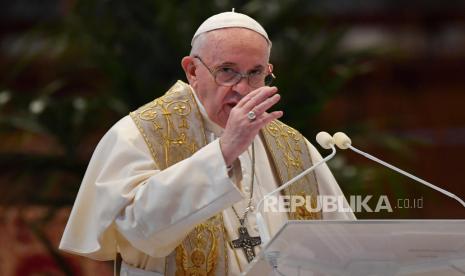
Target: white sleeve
{"type": "Point", "coordinates": [327, 186]}
{"type": "Point", "coordinates": [123, 193]}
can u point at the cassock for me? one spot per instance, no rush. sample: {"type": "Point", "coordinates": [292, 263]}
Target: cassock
{"type": "Point", "coordinates": [126, 204]}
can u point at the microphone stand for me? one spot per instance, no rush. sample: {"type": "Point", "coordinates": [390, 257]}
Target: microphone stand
{"type": "Point", "coordinates": [262, 229]}
{"type": "Point", "coordinates": [426, 183]}
{"type": "Point", "coordinates": [344, 142]}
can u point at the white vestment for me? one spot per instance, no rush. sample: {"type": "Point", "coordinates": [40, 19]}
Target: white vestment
{"type": "Point", "coordinates": [126, 204]}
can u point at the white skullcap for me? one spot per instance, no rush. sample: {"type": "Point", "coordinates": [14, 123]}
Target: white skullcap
{"type": "Point", "coordinates": [230, 20]}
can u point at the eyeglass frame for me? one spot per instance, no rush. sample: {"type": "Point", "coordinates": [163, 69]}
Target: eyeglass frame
{"type": "Point", "coordinates": [242, 76]}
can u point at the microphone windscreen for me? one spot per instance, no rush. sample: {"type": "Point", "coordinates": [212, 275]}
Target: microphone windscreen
{"type": "Point", "coordinates": [342, 140]}
{"type": "Point", "coordinates": [325, 140]}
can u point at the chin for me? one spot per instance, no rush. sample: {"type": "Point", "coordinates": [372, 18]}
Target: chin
{"type": "Point", "coordinates": [219, 121]}
{"type": "Point", "coordinates": [222, 123]}
{"type": "Point", "coordinates": [222, 118]}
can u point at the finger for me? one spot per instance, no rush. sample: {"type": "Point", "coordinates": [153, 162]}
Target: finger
{"type": "Point", "coordinates": [266, 118]}
{"type": "Point", "coordinates": [264, 106]}
{"type": "Point", "coordinates": [249, 96]}
{"type": "Point", "coordinates": [259, 98]}
{"type": "Point", "coordinates": [255, 95]}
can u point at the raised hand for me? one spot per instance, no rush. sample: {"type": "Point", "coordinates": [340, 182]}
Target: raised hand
{"type": "Point", "coordinates": [240, 130]}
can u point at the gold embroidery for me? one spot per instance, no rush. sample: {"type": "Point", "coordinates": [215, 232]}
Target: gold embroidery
{"type": "Point", "coordinates": [148, 114]}
{"type": "Point", "coordinates": [302, 213]}
{"type": "Point", "coordinates": [174, 132]}
{"type": "Point", "coordinates": [291, 156]}
{"type": "Point", "coordinates": [202, 241]}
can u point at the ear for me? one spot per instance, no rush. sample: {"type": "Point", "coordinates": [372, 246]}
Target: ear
{"type": "Point", "coordinates": [189, 68]}
{"type": "Point", "coordinates": [270, 66]}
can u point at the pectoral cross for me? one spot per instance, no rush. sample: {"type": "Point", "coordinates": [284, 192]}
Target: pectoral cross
{"type": "Point", "coordinates": [246, 242]}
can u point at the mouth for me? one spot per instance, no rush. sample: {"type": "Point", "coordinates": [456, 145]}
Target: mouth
{"type": "Point", "coordinates": [231, 105]}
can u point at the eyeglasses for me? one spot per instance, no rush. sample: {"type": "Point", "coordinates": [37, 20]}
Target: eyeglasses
{"type": "Point", "coordinates": [226, 76]}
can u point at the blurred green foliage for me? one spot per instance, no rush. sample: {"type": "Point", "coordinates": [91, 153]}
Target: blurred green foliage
{"type": "Point", "coordinates": [106, 58]}
{"type": "Point", "coordinates": [69, 80]}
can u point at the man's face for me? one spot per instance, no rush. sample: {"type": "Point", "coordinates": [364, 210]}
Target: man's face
{"type": "Point", "coordinates": [238, 49]}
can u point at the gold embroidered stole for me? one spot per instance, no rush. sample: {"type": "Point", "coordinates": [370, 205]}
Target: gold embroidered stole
{"type": "Point", "coordinates": [291, 156]}
{"type": "Point", "coordinates": [173, 130]}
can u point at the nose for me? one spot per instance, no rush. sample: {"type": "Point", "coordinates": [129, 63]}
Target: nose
{"type": "Point", "coordinates": [242, 87]}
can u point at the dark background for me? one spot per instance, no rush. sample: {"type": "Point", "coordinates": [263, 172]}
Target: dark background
{"type": "Point", "coordinates": [388, 73]}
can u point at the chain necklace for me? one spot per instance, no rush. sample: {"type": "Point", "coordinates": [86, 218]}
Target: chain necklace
{"type": "Point", "coordinates": [245, 241]}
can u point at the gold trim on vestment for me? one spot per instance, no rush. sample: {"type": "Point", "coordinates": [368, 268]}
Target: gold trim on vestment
{"type": "Point", "coordinates": [173, 129]}
{"type": "Point", "coordinates": [291, 156]}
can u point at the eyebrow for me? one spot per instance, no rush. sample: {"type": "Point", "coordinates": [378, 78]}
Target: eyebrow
{"type": "Point", "coordinates": [259, 66]}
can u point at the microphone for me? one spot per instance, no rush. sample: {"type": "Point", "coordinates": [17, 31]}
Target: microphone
{"type": "Point", "coordinates": [326, 141]}
{"type": "Point", "coordinates": [342, 141]}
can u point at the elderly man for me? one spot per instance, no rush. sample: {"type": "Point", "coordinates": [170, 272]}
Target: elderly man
{"type": "Point", "coordinates": [171, 187]}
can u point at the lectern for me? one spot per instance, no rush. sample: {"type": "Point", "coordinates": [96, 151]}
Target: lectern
{"type": "Point", "coordinates": [364, 247]}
